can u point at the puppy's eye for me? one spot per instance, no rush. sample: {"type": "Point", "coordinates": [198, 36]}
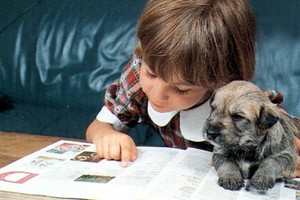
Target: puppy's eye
{"type": "Point", "coordinates": [236, 117]}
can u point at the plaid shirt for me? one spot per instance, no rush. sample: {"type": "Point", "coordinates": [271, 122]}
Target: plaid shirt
{"type": "Point", "coordinates": [126, 100]}
{"type": "Point", "coordinates": [277, 98]}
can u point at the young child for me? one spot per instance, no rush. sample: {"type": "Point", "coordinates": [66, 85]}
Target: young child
{"type": "Point", "coordinates": [186, 50]}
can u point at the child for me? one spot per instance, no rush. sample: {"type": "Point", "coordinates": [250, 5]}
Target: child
{"type": "Point", "coordinates": [186, 50]}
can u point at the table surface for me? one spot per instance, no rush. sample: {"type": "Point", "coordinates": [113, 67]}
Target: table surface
{"type": "Point", "coordinates": [14, 146]}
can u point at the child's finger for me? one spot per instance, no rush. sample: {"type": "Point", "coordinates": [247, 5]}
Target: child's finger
{"type": "Point", "coordinates": [115, 152]}
{"type": "Point", "coordinates": [99, 151]}
{"type": "Point", "coordinates": [125, 159]}
{"type": "Point", "coordinates": [126, 155]}
{"type": "Point", "coordinates": [134, 154]}
{"type": "Point", "coordinates": [106, 150]}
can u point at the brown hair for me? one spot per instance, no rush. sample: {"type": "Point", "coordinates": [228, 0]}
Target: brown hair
{"type": "Point", "coordinates": [207, 42]}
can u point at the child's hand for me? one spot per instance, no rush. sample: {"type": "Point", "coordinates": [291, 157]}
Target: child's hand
{"type": "Point", "coordinates": [116, 146]}
{"type": "Point", "coordinates": [111, 144]}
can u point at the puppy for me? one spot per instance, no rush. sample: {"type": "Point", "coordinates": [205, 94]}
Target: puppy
{"type": "Point", "coordinates": [252, 139]}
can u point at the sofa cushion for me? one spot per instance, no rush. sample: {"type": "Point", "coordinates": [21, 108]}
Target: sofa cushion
{"type": "Point", "coordinates": [65, 53]}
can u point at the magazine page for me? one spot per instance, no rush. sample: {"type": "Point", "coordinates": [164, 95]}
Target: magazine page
{"type": "Point", "coordinates": [73, 170]}
{"type": "Point", "coordinates": [191, 176]}
{"type": "Point", "coordinates": [182, 176]}
{"type": "Point", "coordinates": [209, 189]}
{"type": "Point", "coordinates": [68, 169]}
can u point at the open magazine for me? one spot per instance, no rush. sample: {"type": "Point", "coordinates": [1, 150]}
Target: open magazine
{"type": "Point", "coordinates": [68, 169]}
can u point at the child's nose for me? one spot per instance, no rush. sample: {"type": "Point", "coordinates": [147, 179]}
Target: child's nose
{"type": "Point", "coordinates": [160, 91]}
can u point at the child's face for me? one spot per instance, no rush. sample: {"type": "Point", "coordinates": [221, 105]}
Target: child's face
{"type": "Point", "coordinates": [166, 97]}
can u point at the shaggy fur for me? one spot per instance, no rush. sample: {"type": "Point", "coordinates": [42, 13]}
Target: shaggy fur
{"type": "Point", "coordinates": [251, 137]}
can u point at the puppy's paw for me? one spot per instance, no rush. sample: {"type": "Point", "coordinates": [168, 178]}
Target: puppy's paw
{"type": "Point", "coordinates": [234, 182]}
{"type": "Point", "coordinates": [261, 182]}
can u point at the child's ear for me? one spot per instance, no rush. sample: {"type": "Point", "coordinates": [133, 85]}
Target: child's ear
{"type": "Point", "coordinates": [267, 117]}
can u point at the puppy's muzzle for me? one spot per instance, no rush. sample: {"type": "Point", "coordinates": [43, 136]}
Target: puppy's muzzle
{"type": "Point", "coordinates": [212, 132]}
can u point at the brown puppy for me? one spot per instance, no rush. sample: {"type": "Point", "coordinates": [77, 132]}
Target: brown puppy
{"type": "Point", "coordinates": [251, 137]}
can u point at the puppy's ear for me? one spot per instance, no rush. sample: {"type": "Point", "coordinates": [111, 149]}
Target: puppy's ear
{"type": "Point", "coordinates": [267, 118]}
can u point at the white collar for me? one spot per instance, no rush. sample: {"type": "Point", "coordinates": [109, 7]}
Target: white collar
{"type": "Point", "coordinates": [191, 121]}
{"type": "Point", "coordinates": [160, 119]}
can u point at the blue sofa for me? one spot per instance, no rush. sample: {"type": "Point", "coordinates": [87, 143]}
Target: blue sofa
{"type": "Point", "coordinates": [58, 56]}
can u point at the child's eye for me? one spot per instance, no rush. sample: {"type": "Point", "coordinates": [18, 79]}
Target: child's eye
{"type": "Point", "coordinates": [181, 91]}
{"type": "Point", "coordinates": [150, 75]}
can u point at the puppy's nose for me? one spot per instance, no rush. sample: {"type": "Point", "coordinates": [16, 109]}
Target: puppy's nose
{"type": "Point", "coordinates": [212, 132]}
